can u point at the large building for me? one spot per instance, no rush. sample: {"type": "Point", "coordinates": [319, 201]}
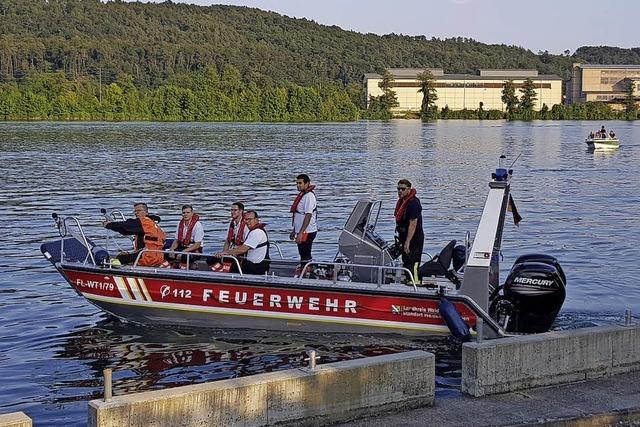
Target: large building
{"type": "Point", "coordinates": [605, 83]}
{"type": "Point", "coordinates": [459, 91]}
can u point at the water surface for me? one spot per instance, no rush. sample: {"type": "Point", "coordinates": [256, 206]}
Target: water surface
{"type": "Point", "coordinates": [578, 205]}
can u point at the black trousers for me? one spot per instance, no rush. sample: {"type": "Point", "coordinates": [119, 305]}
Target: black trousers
{"type": "Point", "coordinates": [304, 248]}
{"type": "Point", "coordinates": [411, 261]}
{"type": "Point", "coordinates": [260, 268]}
{"type": "Point", "coordinates": [127, 257]}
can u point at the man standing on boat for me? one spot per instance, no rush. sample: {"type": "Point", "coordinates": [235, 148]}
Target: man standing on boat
{"type": "Point", "coordinates": [189, 235]}
{"type": "Point", "coordinates": [148, 234]}
{"type": "Point", "coordinates": [304, 211]}
{"type": "Point", "coordinates": [255, 248]}
{"type": "Point", "coordinates": [408, 214]}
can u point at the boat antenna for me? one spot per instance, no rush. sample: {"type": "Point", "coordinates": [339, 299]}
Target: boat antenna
{"type": "Point", "coordinates": [514, 162]}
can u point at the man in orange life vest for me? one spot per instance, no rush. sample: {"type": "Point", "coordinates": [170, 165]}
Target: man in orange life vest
{"type": "Point", "coordinates": [189, 235]}
{"type": "Point", "coordinates": [148, 234]}
{"type": "Point", "coordinates": [408, 214]}
{"type": "Point", "coordinates": [255, 248]}
{"type": "Point", "coordinates": [304, 212]}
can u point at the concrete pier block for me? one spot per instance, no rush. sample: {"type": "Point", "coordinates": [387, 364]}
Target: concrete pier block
{"type": "Point", "coordinates": [557, 357]}
{"type": "Point", "coordinates": [15, 419]}
{"type": "Point", "coordinates": [330, 393]}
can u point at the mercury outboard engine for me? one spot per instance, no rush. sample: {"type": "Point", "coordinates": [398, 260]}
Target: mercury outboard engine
{"type": "Point", "coordinates": [531, 296]}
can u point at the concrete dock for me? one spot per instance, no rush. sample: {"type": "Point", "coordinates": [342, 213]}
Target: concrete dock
{"type": "Point", "coordinates": [583, 377]}
{"type": "Point", "coordinates": [607, 401]}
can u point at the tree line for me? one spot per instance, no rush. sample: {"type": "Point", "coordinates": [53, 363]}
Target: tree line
{"type": "Point", "coordinates": [208, 96]}
{"type": "Point", "coordinates": [201, 96]}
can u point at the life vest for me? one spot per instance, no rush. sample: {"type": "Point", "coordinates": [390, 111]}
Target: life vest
{"type": "Point", "coordinates": [186, 241]}
{"type": "Point", "coordinates": [261, 226]}
{"type": "Point", "coordinates": [401, 205]}
{"type": "Point", "coordinates": [233, 238]}
{"type": "Point", "coordinates": [296, 202]}
{"type": "Point", "coordinates": [153, 240]}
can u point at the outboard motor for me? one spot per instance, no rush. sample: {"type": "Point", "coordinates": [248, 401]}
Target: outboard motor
{"type": "Point", "coordinates": [531, 296]}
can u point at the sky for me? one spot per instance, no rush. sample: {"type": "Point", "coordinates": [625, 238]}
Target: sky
{"type": "Point", "coordinates": [537, 25]}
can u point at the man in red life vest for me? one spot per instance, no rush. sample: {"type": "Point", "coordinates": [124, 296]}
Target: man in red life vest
{"type": "Point", "coordinates": [304, 211]}
{"type": "Point", "coordinates": [408, 215]}
{"type": "Point", "coordinates": [148, 234]}
{"type": "Point", "coordinates": [237, 230]}
{"type": "Point", "coordinates": [255, 248]}
{"type": "Point", "coordinates": [189, 235]}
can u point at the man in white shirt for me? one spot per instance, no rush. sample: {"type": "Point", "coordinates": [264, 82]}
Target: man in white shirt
{"type": "Point", "coordinates": [255, 248]}
{"type": "Point", "coordinates": [189, 236]}
{"type": "Point", "coordinates": [304, 212]}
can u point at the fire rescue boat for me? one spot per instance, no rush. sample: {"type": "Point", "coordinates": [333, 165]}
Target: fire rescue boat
{"type": "Point", "coordinates": [362, 290]}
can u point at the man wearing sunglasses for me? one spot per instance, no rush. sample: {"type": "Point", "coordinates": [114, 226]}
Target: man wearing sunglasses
{"type": "Point", "coordinates": [408, 214]}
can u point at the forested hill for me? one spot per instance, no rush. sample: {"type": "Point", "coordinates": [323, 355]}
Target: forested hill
{"type": "Point", "coordinates": [156, 42]}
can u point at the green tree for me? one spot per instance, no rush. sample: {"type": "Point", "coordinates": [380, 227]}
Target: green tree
{"type": "Point", "coordinates": [428, 109]}
{"type": "Point", "coordinates": [631, 108]}
{"type": "Point", "coordinates": [509, 98]}
{"type": "Point", "coordinates": [528, 99]}
{"type": "Point", "coordinates": [9, 101]}
{"type": "Point", "coordinates": [388, 98]}
{"type": "Point", "coordinates": [33, 106]}
{"type": "Point", "coordinates": [274, 105]}
{"type": "Point", "coordinates": [481, 113]}
{"type": "Point", "coordinates": [545, 114]}
{"type": "Point", "coordinates": [444, 113]}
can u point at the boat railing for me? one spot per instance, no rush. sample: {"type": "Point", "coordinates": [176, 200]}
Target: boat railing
{"type": "Point", "coordinates": [379, 268]}
{"type": "Point", "coordinates": [61, 224]}
{"type": "Point", "coordinates": [189, 256]}
{"type": "Point", "coordinates": [277, 244]}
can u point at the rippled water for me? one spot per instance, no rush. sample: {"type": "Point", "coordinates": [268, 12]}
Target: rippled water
{"type": "Point", "coordinates": [578, 205]}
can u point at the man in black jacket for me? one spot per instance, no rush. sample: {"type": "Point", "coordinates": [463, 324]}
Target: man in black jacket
{"type": "Point", "coordinates": [408, 214]}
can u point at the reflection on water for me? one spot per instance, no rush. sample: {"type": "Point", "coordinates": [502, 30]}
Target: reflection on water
{"type": "Point", "coordinates": [578, 205]}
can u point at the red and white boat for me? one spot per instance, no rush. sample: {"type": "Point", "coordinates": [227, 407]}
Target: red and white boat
{"type": "Point", "coordinates": [362, 290]}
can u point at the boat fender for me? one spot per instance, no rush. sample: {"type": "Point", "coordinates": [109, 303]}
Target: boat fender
{"type": "Point", "coordinates": [452, 318]}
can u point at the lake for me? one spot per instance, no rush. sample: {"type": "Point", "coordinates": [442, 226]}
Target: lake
{"type": "Point", "coordinates": [578, 205]}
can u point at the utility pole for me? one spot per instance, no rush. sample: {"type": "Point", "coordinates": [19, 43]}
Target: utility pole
{"type": "Point", "coordinates": [100, 84]}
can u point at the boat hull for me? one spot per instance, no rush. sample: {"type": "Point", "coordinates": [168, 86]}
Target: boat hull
{"type": "Point", "coordinates": [270, 306]}
{"type": "Point", "coordinates": [602, 143]}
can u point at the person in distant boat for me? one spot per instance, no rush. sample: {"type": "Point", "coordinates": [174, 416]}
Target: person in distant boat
{"type": "Point", "coordinates": [189, 236]}
{"type": "Point", "coordinates": [148, 234]}
{"type": "Point", "coordinates": [304, 212]}
{"type": "Point", "coordinates": [255, 249]}
{"type": "Point", "coordinates": [409, 232]}
{"type": "Point", "coordinates": [612, 135]}
{"type": "Point", "coordinates": [592, 135]}
{"type": "Point", "coordinates": [603, 132]}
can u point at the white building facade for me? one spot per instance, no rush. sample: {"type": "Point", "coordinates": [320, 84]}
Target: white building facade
{"type": "Point", "coordinates": [460, 91]}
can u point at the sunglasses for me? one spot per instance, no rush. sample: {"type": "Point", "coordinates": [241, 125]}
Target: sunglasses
{"type": "Point", "coordinates": [402, 188]}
